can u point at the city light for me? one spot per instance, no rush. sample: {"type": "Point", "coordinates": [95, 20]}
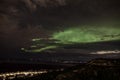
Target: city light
{"type": "Point", "coordinates": [12, 75]}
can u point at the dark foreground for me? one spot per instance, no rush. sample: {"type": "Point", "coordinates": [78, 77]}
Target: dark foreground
{"type": "Point", "coordinates": [97, 69]}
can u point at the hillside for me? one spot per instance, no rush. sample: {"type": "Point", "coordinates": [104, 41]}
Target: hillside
{"type": "Point", "coordinates": [97, 69]}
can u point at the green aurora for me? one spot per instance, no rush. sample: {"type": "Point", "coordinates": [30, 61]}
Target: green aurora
{"type": "Point", "coordinates": [82, 34]}
{"type": "Point", "coordinates": [41, 49]}
{"type": "Point", "coordinates": [87, 34]}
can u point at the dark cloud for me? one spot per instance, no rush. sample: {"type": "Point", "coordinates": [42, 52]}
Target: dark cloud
{"type": "Point", "coordinates": [21, 20]}
{"type": "Point", "coordinates": [49, 3]}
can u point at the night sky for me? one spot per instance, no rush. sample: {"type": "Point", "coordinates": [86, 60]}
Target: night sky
{"type": "Point", "coordinates": [23, 20]}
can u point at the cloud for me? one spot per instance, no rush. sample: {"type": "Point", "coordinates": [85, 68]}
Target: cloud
{"type": "Point", "coordinates": [11, 32]}
{"type": "Point", "coordinates": [33, 4]}
{"type": "Point", "coordinates": [47, 3]}
{"type": "Point", "coordinates": [16, 13]}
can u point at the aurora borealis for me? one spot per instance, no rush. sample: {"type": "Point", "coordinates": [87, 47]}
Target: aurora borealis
{"type": "Point", "coordinates": [77, 35]}
{"type": "Point", "coordinates": [89, 34]}
{"type": "Point", "coordinates": [39, 49]}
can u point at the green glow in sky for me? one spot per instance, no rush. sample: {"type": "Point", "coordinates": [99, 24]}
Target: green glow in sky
{"type": "Point", "coordinates": [41, 49]}
{"type": "Point", "coordinates": [36, 39]}
{"type": "Point", "coordinates": [74, 35]}
{"type": "Point", "coordinates": [88, 34]}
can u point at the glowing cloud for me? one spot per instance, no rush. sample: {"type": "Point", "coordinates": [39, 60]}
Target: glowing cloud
{"type": "Point", "coordinates": [40, 49]}
{"type": "Point", "coordinates": [87, 34]}
{"type": "Point", "coordinates": [83, 34]}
